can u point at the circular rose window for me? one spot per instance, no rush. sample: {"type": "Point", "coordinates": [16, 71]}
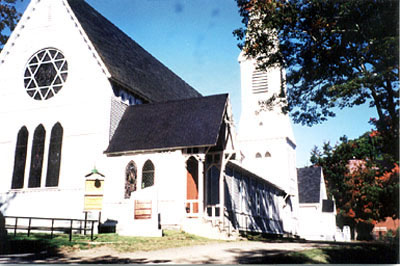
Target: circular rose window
{"type": "Point", "coordinates": [45, 74]}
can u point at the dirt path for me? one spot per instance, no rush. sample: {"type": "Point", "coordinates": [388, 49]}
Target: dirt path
{"type": "Point", "coordinates": [222, 253]}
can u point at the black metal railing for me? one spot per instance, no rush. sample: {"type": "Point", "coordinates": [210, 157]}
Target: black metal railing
{"type": "Point", "coordinates": [65, 225]}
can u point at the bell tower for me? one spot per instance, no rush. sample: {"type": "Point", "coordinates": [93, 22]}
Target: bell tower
{"type": "Point", "coordinates": [265, 134]}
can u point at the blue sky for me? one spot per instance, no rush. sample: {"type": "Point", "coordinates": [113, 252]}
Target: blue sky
{"type": "Point", "coordinates": [194, 39]}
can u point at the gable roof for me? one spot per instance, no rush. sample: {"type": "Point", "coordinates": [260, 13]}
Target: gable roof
{"type": "Point", "coordinates": [192, 122]}
{"type": "Point", "coordinates": [128, 63]}
{"type": "Point", "coordinates": [309, 184]}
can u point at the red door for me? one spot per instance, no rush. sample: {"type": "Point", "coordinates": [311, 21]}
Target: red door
{"type": "Point", "coordinates": [192, 189]}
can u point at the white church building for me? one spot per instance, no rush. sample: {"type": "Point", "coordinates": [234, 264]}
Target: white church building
{"type": "Point", "coordinates": [92, 123]}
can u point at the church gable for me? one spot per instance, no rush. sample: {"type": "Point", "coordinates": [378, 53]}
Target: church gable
{"type": "Point", "coordinates": [55, 99]}
{"type": "Point", "coordinates": [48, 41]}
{"type": "Point", "coordinates": [80, 33]}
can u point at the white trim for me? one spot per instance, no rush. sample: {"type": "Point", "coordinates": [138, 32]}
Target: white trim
{"type": "Point", "coordinates": [86, 39]}
{"type": "Point", "coordinates": [16, 33]}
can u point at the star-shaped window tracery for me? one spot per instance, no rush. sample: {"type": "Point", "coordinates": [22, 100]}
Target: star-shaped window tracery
{"type": "Point", "coordinates": [45, 74]}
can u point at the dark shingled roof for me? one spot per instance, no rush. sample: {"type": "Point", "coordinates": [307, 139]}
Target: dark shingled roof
{"type": "Point", "coordinates": [128, 63]}
{"type": "Point", "coordinates": [175, 124]}
{"type": "Point", "coordinates": [309, 184]}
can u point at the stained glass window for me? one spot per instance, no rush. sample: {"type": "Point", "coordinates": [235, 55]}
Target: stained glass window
{"type": "Point", "coordinates": [45, 74]}
{"type": "Point", "coordinates": [20, 159]}
{"type": "Point", "coordinates": [37, 157]}
{"type": "Point", "coordinates": [53, 164]}
{"type": "Point", "coordinates": [130, 179]}
{"type": "Point", "coordinates": [148, 174]}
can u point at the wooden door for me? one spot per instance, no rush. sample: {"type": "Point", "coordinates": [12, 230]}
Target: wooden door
{"type": "Point", "coordinates": [192, 188]}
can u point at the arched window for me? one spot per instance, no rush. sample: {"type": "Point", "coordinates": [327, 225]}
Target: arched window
{"type": "Point", "coordinates": [37, 157]}
{"type": "Point", "coordinates": [53, 165]}
{"type": "Point", "coordinates": [20, 159]}
{"type": "Point", "coordinates": [267, 154]}
{"type": "Point", "coordinates": [258, 155]}
{"type": "Point", "coordinates": [148, 174]}
{"type": "Point", "coordinates": [130, 179]}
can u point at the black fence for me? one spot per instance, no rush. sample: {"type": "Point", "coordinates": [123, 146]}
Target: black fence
{"type": "Point", "coordinates": [69, 226]}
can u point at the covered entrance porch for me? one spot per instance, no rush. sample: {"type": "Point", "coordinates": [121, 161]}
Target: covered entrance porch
{"type": "Point", "coordinates": [205, 214]}
{"type": "Point", "coordinates": [205, 193]}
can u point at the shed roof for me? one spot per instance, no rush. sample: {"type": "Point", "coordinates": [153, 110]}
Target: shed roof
{"type": "Point", "coordinates": [309, 184]}
{"type": "Point", "coordinates": [238, 167]}
{"type": "Point", "coordinates": [184, 123]}
{"type": "Point", "coordinates": [128, 63]}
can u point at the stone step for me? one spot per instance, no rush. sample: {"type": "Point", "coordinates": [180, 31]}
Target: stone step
{"type": "Point", "coordinates": [205, 228]}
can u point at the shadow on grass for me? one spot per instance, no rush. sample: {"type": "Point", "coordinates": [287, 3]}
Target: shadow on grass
{"type": "Point", "coordinates": [338, 252]}
{"type": "Point", "coordinates": [263, 256]}
{"type": "Point", "coordinates": [23, 250]}
{"type": "Point", "coordinates": [335, 254]}
{"type": "Point", "coordinates": [363, 254]}
{"type": "Point", "coordinates": [46, 250]}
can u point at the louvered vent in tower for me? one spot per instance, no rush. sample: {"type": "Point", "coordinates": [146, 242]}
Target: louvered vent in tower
{"type": "Point", "coordinates": [260, 81]}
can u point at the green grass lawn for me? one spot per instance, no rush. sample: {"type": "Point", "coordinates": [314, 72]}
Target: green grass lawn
{"type": "Point", "coordinates": [21, 243]}
{"type": "Point", "coordinates": [170, 239]}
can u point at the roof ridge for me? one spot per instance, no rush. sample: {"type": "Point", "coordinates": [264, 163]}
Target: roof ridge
{"type": "Point", "coordinates": [202, 98]}
{"type": "Point", "coordinates": [128, 62]}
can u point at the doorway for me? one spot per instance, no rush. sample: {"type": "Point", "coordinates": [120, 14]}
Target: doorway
{"type": "Point", "coordinates": [192, 187]}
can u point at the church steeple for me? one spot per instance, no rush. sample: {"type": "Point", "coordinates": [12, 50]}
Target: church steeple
{"type": "Point", "coordinates": [259, 118]}
{"type": "Point", "coordinates": [265, 133]}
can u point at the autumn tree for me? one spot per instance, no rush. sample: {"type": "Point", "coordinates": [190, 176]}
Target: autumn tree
{"type": "Point", "coordinates": [337, 54]}
{"type": "Point", "coordinates": [364, 184]}
{"type": "Point", "coordinates": [8, 19]}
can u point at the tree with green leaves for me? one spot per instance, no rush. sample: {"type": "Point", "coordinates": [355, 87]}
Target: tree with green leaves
{"type": "Point", "coordinates": [364, 184]}
{"type": "Point", "coordinates": [8, 19]}
{"type": "Point", "coordinates": [337, 54]}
